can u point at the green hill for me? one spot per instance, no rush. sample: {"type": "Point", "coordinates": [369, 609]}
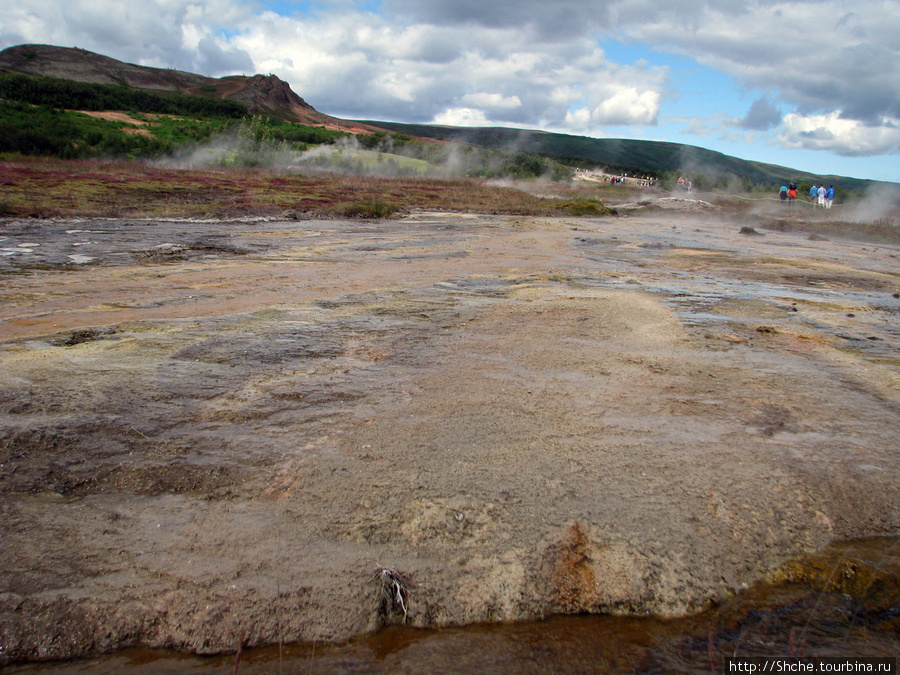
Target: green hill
{"type": "Point", "coordinates": [264, 95]}
{"type": "Point", "coordinates": [71, 119]}
{"type": "Point", "coordinates": [623, 155]}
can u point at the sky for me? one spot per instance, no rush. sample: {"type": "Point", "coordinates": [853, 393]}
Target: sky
{"type": "Point", "coordinates": [809, 85]}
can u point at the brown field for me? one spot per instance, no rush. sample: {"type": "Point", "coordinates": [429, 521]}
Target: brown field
{"type": "Point", "coordinates": [45, 188]}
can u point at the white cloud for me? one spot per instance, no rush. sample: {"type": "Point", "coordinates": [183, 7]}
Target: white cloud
{"type": "Point", "coordinates": [361, 65]}
{"type": "Point", "coordinates": [485, 100]}
{"type": "Point", "coordinates": [625, 107]}
{"type": "Point", "coordinates": [628, 106]}
{"type": "Point", "coordinates": [461, 117]}
{"type": "Point", "coordinates": [162, 33]}
{"type": "Point", "coordinates": [578, 120]}
{"type": "Point", "coordinates": [565, 95]}
{"type": "Point", "coordinates": [843, 136]}
{"type": "Point", "coordinates": [819, 57]}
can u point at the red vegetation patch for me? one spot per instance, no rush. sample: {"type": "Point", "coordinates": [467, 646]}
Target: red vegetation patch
{"type": "Point", "coordinates": [94, 188]}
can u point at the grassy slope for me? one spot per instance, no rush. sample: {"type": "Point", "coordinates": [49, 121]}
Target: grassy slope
{"type": "Point", "coordinates": [38, 116]}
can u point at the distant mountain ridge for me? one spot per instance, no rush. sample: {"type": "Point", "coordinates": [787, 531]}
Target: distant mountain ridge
{"type": "Point", "coordinates": [271, 96]}
{"type": "Point", "coordinates": [261, 94]}
{"type": "Point", "coordinates": [630, 155]}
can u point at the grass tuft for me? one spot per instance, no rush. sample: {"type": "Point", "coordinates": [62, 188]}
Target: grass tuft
{"type": "Point", "coordinates": [587, 207]}
{"type": "Point", "coordinates": [375, 209]}
{"type": "Point", "coordinates": [394, 593]}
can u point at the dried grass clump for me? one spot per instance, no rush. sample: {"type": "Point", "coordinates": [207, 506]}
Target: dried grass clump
{"type": "Point", "coordinates": [373, 209]}
{"type": "Point", "coordinates": [394, 592]}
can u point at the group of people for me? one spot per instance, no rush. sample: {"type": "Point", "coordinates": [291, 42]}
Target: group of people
{"type": "Point", "coordinates": [818, 195]}
{"type": "Point", "coordinates": [822, 197]}
{"type": "Point", "coordinates": [634, 180]}
{"type": "Point", "coordinates": [685, 185]}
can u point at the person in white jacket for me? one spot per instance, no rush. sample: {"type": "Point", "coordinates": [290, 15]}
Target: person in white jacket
{"type": "Point", "coordinates": [822, 196]}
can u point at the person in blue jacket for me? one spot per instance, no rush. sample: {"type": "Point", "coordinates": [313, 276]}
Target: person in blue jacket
{"type": "Point", "coordinates": [813, 194]}
{"type": "Point", "coordinates": [829, 196]}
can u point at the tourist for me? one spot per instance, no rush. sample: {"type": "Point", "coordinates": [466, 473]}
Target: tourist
{"type": "Point", "coordinates": [792, 192]}
{"type": "Point", "coordinates": [829, 197]}
{"type": "Point", "coordinates": [782, 193]}
{"type": "Point", "coordinates": [813, 193]}
{"type": "Point", "coordinates": [821, 193]}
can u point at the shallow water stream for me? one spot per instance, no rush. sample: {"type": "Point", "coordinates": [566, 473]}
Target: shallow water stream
{"type": "Point", "coordinates": [844, 602]}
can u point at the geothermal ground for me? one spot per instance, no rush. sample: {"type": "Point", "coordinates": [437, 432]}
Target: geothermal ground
{"type": "Point", "coordinates": [222, 433]}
